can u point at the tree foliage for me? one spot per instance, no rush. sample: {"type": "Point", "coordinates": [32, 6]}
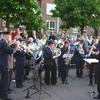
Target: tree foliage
{"type": "Point", "coordinates": [78, 13]}
{"type": "Point", "coordinates": [21, 12]}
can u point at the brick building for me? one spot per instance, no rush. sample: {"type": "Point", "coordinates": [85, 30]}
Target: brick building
{"type": "Point", "coordinates": [52, 23]}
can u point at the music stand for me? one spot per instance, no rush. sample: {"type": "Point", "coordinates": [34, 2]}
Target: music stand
{"type": "Point", "coordinates": [91, 61]}
{"type": "Point", "coordinates": [68, 66]}
{"type": "Point", "coordinates": [34, 85]}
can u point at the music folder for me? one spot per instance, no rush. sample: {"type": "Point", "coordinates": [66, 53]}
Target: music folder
{"type": "Point", "coordinates": [67, 55]}
{"type": "Point", "coordinates": [91, 61]}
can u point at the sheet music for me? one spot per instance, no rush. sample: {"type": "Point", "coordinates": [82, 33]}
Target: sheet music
{"type": "Point", "coordinates": [92, 60]}
{"type": "Point", "coordinates": [67, 55]}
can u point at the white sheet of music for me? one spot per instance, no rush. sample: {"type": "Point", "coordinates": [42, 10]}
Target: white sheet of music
{"type": "Point", "coordinates": [67, 55]}
{"type": "Point", "coordinates": [91, 60]}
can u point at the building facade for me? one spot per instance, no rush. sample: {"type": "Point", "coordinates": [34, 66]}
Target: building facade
{"type": "Point", "coordinates": [52, 24]}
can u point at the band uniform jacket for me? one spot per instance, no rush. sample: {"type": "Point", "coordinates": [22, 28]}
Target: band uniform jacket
{"type": "Point", "coordinates": [20, 57]}
{"type": "Point", "coordinates": [47, 54]}
{"type": "Point", "coordinates": [5, 51]}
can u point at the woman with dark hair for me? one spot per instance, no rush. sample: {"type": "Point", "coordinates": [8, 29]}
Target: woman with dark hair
{"type": "Point", "coordinates": [62, 66]}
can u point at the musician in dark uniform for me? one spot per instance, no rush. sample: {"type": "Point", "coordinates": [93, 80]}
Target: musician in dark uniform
{"type": "Point", "coordinates": [79, 55]}
{"type": "Point", "coordinates": [5, 50]}
{"type": "Point", "coordinates": [93, 67]}
{"type": "Point", "coordinates": [97, 56]}
{"type": "Point", "coordinates": [63, 67]}
{"type": "Point", "coordinates": [20, 61]}
{"type": "Point", "coordinates": [49, 64]}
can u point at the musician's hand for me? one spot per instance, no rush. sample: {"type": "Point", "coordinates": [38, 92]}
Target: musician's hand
{"type": "Point", "coordinates": [97, 52]}
{"type": "Point", "coordinates": [27, 60]}
{"type": "Point", "coordinates": [65, 59]}
{"type": "Point", "coordinates": [36, 66]}
{"type": "Point", "coordinates": [16, 42]}
{"type": "Point", "coordinates": [94, 47]}
{"type": "Point", "coordinates": [93, 52]}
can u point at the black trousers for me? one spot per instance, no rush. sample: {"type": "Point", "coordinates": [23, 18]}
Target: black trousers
{"type": "Point", "coordinates": [27, 69]}
{"type": "Point", "coordinates": [93, 70]}
{"type": "Point", "coordinates": [64, 72]}
{"type": "Point", "coordinates": [79, 68]}
{"type": "Point", "coordinates": [4, 82]}
{"type": "Point", "coordinates": [98, 83]}
{"type": "Point", "coordinates": [59, 68]}
{"type": "Point", "coordinates": [11, 70]}
{"type": "Point", "coordinates": [19, 75]}
{"type": "Point", "coordinates": [50, 70]}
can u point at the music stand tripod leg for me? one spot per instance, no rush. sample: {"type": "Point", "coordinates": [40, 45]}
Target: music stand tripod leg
{"type": "Point", "coordinates": [67, 75]}
{"type": "Point", "coordinates": [40, 90]}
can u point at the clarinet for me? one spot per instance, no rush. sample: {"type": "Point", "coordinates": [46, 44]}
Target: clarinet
{"type": "Point", "coordinates": [90, 51]}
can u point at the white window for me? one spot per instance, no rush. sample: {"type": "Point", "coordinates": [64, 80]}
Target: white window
{"type": "Point", "coordinates": [11, 25]}
{"type": "Point", "coordinates": [49, 7]}
{"type": "Point", "coordinates": [92, 31]}
{"type": "Point", "coordinates": [4, 24]}
{"type": "Point", "coordinates": [75, 30]}
{"type": "Point", "coordinates": [85, 29]}
{"type": "Point", "coordinates": [51, 25]}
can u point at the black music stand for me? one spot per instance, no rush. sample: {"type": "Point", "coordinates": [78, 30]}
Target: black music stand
{"type": "Point", "coordinates": [67, 75]}
{"type": "Point", "coordinates": [67, 69]}
{"type": "Point", "coordinates": [92, 61]}
{"type": "Point", "coordinates": [34, 86]}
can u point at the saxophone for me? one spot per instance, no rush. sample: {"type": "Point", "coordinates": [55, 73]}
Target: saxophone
{"type": "Point", "coordinates": [68, 58]}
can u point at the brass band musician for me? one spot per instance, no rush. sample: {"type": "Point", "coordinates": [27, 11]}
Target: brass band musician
{"type": "Point", "coordinates": [49, 64]}
{"type": "Point", "coordinates": [63, 67]}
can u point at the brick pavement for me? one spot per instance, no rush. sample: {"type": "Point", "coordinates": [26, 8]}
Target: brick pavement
{"type": "Point", "coordinates": [75, 90]}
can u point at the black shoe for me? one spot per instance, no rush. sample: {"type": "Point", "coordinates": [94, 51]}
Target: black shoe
{"type": "Point", "coordinates": [96, 97]}
{"type": "Point", "coordinates": [80, 77]}
{"type": "Point", "coordinates": [18, 86]}
{"type": "Point", "coordinates": [10, 89]}
{"type": "Point", "coordinates": [90, 84]}
{"type": "Point", "coordinates": [77, 76]}
{"type": "Point", "coordinates": [9, 92]}
{"type": "Point", "coordinates": [66, 82]}
{"type": "Point", "coordinates": [26, 78]}
{"type": "Point", "coordinates": [54, 84]}
{"type": "Point", "coordinates": [9, 98]}
{"type": "Point", "coordinates": [47, 83]}
{"type": "Point", "coordinates": [23, 85]}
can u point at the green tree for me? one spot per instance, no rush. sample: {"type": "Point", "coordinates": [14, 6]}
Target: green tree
{"type": "Point", "coordinates": [21, 12]}
{"type": "Point", "coordinates": [77, 13]}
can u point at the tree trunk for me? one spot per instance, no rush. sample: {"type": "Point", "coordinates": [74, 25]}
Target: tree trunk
{"type": "Point", "coordinates": [81, 29]}
{"type": "Point", "coordinates": [8, 22]}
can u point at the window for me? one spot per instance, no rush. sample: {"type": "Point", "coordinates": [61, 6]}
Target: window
{"type": "Point", "coordinates": [11, 25]}
{"type": "Point", "coordinates": [92, 31]}
{"type": "Point", "coordinates": [85, 29]}
{"type": "Point", "coordinates": [49, 7]}
{"type": "Point", "coordinates": [4, 24]}
{"type": "Point", "coordinates": [51, 24]}
{"type": "Point", "coordinates": [75, 30]}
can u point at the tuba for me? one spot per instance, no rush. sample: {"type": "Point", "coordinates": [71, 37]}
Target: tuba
{"type": "Point", "coordinates": [56, 52]}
